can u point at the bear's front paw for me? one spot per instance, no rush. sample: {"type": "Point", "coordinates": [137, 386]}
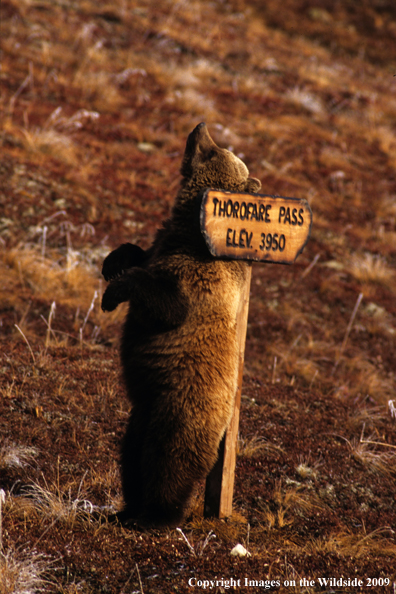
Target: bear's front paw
{"type": "Point", "coordinates": [115, 294]}
{"type": "Point", "coordinates": [111, 268]}
{"type": "Point", "coordinates": [119, 260]}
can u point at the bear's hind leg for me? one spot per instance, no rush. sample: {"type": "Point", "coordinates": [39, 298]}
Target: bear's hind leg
{"type": "Point", "coordinates": [170, 472]}
{"type": "Point", "coordinates": [131, 465]}
{"type": "Point", "coordinates": [161, 465]}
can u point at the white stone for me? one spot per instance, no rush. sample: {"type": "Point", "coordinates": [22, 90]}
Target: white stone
{"type": "Point", "coordinates": [240, 551]}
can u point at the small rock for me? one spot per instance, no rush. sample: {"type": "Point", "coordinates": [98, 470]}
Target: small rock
{"type": "Point", "coordinates": [146, 147]}
{"type": "Point", "coordinates": [240, 551]}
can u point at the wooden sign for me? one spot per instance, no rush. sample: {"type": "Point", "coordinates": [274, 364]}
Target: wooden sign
{"type": "Point", "coordinates": [246, 227]}
{"type": "Point", "coordinates": [255, 226]}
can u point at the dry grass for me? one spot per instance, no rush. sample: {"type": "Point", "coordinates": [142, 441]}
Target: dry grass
{"type": "Point", "coordinates": [64, 277]}
{"type": "Point", "coordinates": [96, 103]}
{"type": "Point", "coordinates": [377, 457]}
{"type": "Point", "coordinates": [250, 447]}
{"type": "Point", "coordinates": [306, 100]}
{"type": "Point", "coordinates": [305, 470]}
{"type": "Point", "coordinates": [367, 417]}
{"type": "Point", "coordinates": [355, 545]}
{"type": "Point", "coordinates": [25, 572]}
{"type": "Point", "coordinates": [378, 320]}
{"type": "Point", "coordinates": [16, 455]}
{"type": "Point", "coordinates": [53, 503]}
{"type": "Point", "coordinates": [22, 571]}
{"type": "Point", "coordinates": [99, 89]}
{"type": "Point", "coordinates": [55, 137]}
{"type": "Point", "coordinates": [197, 549]}
{"type": "Point", "coordinates": [392, 408]}
{"type": "Point", "coordinates": [364, 379]}
{"type": "Point", "coordinates": [368, 268]}
{"type": "Point", "coordinates": [299, 359]}
{"type": "Point", "coordinates": [287, 506]}
{"type": "Point", "coordinates": [315, 356]}
{"type": "Point", "coordinates": [69, 279]}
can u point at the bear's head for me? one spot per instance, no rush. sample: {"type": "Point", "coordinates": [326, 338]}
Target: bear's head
{"type": "Point", "coordinates": [205, 165]}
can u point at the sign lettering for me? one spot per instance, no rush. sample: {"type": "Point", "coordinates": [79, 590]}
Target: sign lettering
{"type": "Point", "coordinates": [255, 226]}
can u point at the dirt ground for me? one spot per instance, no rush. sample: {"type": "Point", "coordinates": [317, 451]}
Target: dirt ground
{"type": "Point", "coordinates": [96, 102]}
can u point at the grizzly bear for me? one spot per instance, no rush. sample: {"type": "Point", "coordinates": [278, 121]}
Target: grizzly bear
{"type": "Point", "coordinates": [178, 348]}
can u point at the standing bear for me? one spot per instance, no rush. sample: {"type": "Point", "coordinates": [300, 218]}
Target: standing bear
{"type": "Point", "coordinates": [178, 348]}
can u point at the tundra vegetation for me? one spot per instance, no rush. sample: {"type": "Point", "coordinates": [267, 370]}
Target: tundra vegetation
{"type": "Point", "coordinates": [96, 102]}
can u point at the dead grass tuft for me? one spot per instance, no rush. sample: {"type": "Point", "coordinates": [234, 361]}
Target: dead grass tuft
{"type": "Point", "coordinates": [52, 143]}
{"type": "Point", "coordinates": [193, 101]}
{"type": "Point", "coordinates": [67, 278]}
{"type": "Point", "coordinates": [25, 572]}
{"type": "Point", "coordinates": [377, 462]}
{"type": "Point", "coordinates": [392, 408]}
{"type": "Point", "coordinates": [305, 470]}
{"type": "Point", "coordinates": [354, 545]}
{"type": "Point", "coordinates": [378, 321]}
{"type": "Point", "coordinates": [366, 416]}
{"type": "Point", "coordinates": [364, 379]}
{"type": "Point", "coordinates": [377, 457]}
{"type": "Point", "coordinates": [229, 529]}
{"type": "Point", "coordinates": [55, 137]}
{"type": "Point", "coordinates": [386, 139]}
{"type": "Point", "coordinates": [57, 504]}
{"type": "Point", "coordinates": [99, 89]}
{"type": "Point", "coordinates": [254, 446]}
{"type": "Point", "coordinates": [16, 456]}
{"type": "Point", "coordinates": [108, 483]}
{"type": "Point", "coordinates": [287, 506]}
{"type": "Point", "coordinates": [306, 99]}
{"type": "Point", "coordinates": [369, 268]}
{"type": "Point", "coordinates": [197, 549]}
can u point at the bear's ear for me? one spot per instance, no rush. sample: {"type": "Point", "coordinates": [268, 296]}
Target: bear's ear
{"type": "Point", "coordinates": [253, 185]}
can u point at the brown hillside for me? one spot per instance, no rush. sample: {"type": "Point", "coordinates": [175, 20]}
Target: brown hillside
{"type": "Point", "coordinates": [96, 103]}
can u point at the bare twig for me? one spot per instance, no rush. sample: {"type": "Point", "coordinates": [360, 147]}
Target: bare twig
{"type": "Point", "coordinates": [44, 238]}
{"type": "Point", "coordinates": [140, 581]}
{"type": "Point", "coordinates": [248, 535]}
{"type": "Point", "coordinates": [347, 332]}
{"type": "Point", "coordinates": [206, 542]}
{"type": "Point", "coordinates": [389, 445]}
{"type": "Point", "coordinates": [87, 316]}
{"type": "Point", "coordinates": [22, 86]}
{"type": "Point", "coordinates": [48, 324]}
{"type": "Point", "coordinates": [274, 370]}
{"type": "Point", "coordinates": [192, 550]}
{"type": "Point", "coordinates": [27, 342]}
{"type": "Point", "coordinates": [2, 500]}
{"type": "Point", "coordinates": [313, 379]}
{"type": "Point", "coordinates": [309, 268]}
{"type": "Point", "coordinates": [197, 552]}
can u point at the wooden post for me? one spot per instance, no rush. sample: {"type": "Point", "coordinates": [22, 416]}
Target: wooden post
{"type": "Point", "coordinates": [247, 227]}
{"type": "Point", "coordinates": [220, 481]}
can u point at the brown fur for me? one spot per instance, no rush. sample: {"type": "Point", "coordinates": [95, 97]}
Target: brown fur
{"type": "Point", "coordinates": [179, 351]}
